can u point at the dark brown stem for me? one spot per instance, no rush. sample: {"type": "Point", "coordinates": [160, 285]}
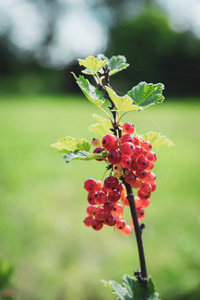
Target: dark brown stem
{"type": "Point", "coordinates": [141, 276]}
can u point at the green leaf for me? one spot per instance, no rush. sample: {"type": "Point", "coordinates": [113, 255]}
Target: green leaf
{"type": "Point", "coordinates": [70, 144]}
{"type": "Point", "coordinates": [93, 94]}
{"type": "Point", "coordinates": [102, 127]}
{"type": "Point", "coordinates": [157, 140]}
{"type": "Point", "coordinates": [92, 63]}
{"type": "Point", "coordinates": [132, 289]}
{"type": "Point", "coordinates": [146, 94]}
{"type": "Point", "coordinates": [82, 155]}
{"type": "Point", "coordinates": [117, 64]}
{"type": "Point", "coordinates": [124, 103]}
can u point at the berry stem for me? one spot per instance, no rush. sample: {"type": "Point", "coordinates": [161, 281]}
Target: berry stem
{"type": "Point", "coordinates": [142, 276]}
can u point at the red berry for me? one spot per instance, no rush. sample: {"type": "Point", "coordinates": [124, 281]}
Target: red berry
{"type": "Point", "coordinates": [142, 163]}
{"type": "Point", "coordinates": [100, 198]}
{"type": "Point", "coordinates": [140, 174]}
{"type": "Point", "coordinates": [137, 184]}
{"type": "Point", "coordinates": [96, 142]}
{"type": "Point", "coordinates": [110, 220]}
{"type": "Point", "coordinates": [118, 208]}
{"type": "Point", "coordinates": [100, 213]}
{"type": "Point", "coordinates": [127, 149]}
{"type": "Point", "coordinates": [151, 156]}
{"type": "Point", "coordinates": [130, 177]}
{"type": "Point", "coordinates": [150, 167]}
{"type": "Point", "coordinates": [143, 203]}
{"type": "Point", "coordinates": [128, 128]}
{"type": "Point", "coordinates": [145, 188]}
{"type": "Point", "coordinates": [127, 230]}
{"type": "Point", "coordinates": [114, 195]}
{"type": "Point", "coordinates": [150, 178]}
{"type": "Point", "coordinates": [90, 198]}
{"type": "Point", "coordinates": [137, 152]}
{"type": "Point", "coordinates": [91, 185]}
{"type": "Point", "coordinates": [146, 146]}
{"type": "Point", "coordinates": [126, 138]}
{"type": "Point", "coordinates": [88, 221]}
{"type": "Point", "coordinates": [153, 187]}
{"type": "Point", "coordinates": [111, 182]}
{"type": "Point", "coordinates": [91, 209]}
{"type": "Point", "coordinates": [136, 141]}
{"type": "Point", "coordinates": [120, 224]}
{"type": "Point", "coordinates": [97, 224]}
{"type": "Point", "coordinates": [99, 150]}
{"type": "Point", "coordinates": [125, 162]}
{"type": "Point", "coordinates": [109, 142]}
{"type": "Point", "coordinates": [140, 212]}
{"type": "Point", "coordinates": [114, 156]}
{"type": "Point", "coordinates": [133, 166]}
{"type": "Point", "coordinates": [108, 206]}
{"type": "Point", "coordinates": [141, 195]}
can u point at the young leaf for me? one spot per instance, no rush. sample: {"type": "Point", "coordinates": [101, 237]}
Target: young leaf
{"type": "Point", "coordinates": [70, 144]}
{"type": "Point", "coordinates": [117, 64]}
{"type": "Point", "coordinates": [157, 139]}
{"type": "Point", "coordinates": [124, 103]}
{"type": "Point", "coordinates": [146, 94]}
{"type": "Point", "coordinates": [132, 289]}
{"type": "Point", "coordinates": [102, 127]}
{"type": "Point", "coordinates": [82, 155]}
{"type": "Point", "coordinates": [92, 63]}
{"type": "Point", "coordinates": [93, 94]}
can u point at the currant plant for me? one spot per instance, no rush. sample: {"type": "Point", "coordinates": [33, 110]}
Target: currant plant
{"type": "Point", "coordinates": [129, 159]}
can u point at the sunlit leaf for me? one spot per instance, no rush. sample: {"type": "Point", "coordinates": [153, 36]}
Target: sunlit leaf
{"type": "Point", "coordinates": [124, 103]}
{"type": "Point", "coordinates": [70, 144]}
{"type": "Point", "coordinates": [157, 140]}
{"type": "Point", "coordinates": [102, 127]}
{"type": "Point", "coordinates": [93, 94]}
{"type": "Point", "coordinates": [92, 63]}
{"type": "Point", "coordinates": [117, 64]}
{"type": "Point", "coordinates": [146, 94]}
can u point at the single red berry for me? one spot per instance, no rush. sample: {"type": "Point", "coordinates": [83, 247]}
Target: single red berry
{"type": "Point", "coordinates": [150, 178]}
{"type": "Point", "coordinates": [140, 174]}
{"type": "Point", "coordinates": [110, 220]}
{"type": "Point", "coordinates": [137, 184]}
{"type": "Point", "coordinates": [141, 195]}
{"type": "Point", "coordinates": [128, 128]}
{"type": "Point", "coordinates": [114, 156]}
{"type": "Point", "coordinates": [126, 138]}
{"type": "Point", "coordinates": [97, 224]}
{"type": "Point", "coordinates": [90, 198]}
{"type": "Point", "coordinates": [136, 141]}
{"type": "Point", "coordinates": [111, 182]}
{"type": "Point", "coordinates": [125, 162]}
{"type": "Point", "coordinates": [96, 142]}
{"type": "Point", "coordinates": [117, 168]}
{"type": "Point", "coordinates": [88, 221]}
{"type": "Point", "coordinates": [142, 163]}
{"type": "Point", "coordinates": [100, 213]}
{"type": "Point", "coordinates": [145, 188]}
{"type": "Point", "coordinates": [91, 185]}
{"type": "Point", "coordinates": [137, 152]}
{"type": "Point", "coordinates": [114, 195]}
{"type": "Point", "coordinates": [100, 198]}
{"type": "Point", "coordinates": [118, 208]}
{"type": "Point", "coordinates": [143, 203]}
{"type": "Point", "coordinates": [133, 166]}
{"type": "Point", "coordinates": [153, 187]}
{"type": "Point", "coordinates": [151, 156]}
{"type": "Point", "coordinates": [120, 224]}
{"type": "Point", "coordinates": [146, 146]}
{"type": "Point", "coordinates": [127, 230]}
{"type": "Point", "coordinates": [108, 206]}
{"type": "Point", "coordinates": [91, 209]}
{"type": "Point", "coordinates": [99, 150]}
{"type": "Point", "coordinates": [109, 142]}
{"type": "Point", "coordinates": [140, 212]}
{"type": "Point", "coordinates": [127, 149]}
{"type": "Point", "coordinates": [150, 167]}
{"type": "Point", "coordinates": [130, 177]}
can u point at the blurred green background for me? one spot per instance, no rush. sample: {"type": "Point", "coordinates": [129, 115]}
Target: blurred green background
{"type": "Point", "coordinates": [43, 202]}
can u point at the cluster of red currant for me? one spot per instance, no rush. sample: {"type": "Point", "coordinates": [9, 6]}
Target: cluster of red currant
{"type": "Point", "coordinates": [130, 160]}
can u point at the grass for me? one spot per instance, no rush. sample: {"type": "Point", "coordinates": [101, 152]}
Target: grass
{"type": "Point", "coordinates": [43, 203]}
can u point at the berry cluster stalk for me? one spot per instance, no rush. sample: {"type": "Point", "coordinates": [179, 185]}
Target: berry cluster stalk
{"type": "Point", "coordinates": [141, 275]}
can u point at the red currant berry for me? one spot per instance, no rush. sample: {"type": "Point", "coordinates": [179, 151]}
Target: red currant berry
{"type": "Point", "coordinates": [128, 128]}
{"type": "Point", "coordinates": [99, 150]}
{"type": "Point", "coordinates": [97, 224]}
{"type": "Point", "coordinates": [126, 138]}
{"type": "Point", "coordinates": [100, 198]}
{"type": "Point", "coordinates": [114, 195]}
{"type": "Point", "coordinates": [137, 152]}
{"type": "Point", "coordinates": [114, 156]}
{"type": "Point", "coordinates": [141, 195]}
{"type": "Point", "coordinates": [143, 203]}
{"type": "Point", "coordinates": [137, 184]}
{"type": "Point", "coordinates": [90, 198]}
{"type": "Point", "coordinates": [120, 224]}
{"type": "Point", "coordinates": [109, 142]}
{"type": "Point", "coordinates": [91, 209]}
{"type": "Point", "coordinates": [140, 174]}
{"type": "Point", "coordinates": [91, 185]}
{"type": "Point", "coordinates": [96, 142]}
{"type": "Point", "coordinates": [151, 156]}
{"type": "Point", "coordinates": [142, 163]}
{"type": "Point", "coordinates": [118, 208]}
{"type": "Point", "coordinates": [150, 167]}
{"type": "Point", "coordinates": [127, 149]}
{"type": "Point", "coordinates": [136, 141]}
{"type": "Point", "coordinates": [140, 212]}
{"type": "Point", "coordinates": [100, 213]}
{"type": "Point", "coordinates": [117, 169]}
{"type": "Point", "coordinates": [145, 188]}
{"type": "Point", "coordinates": [153, 187]}
{"type": "Point", "coordinates": [125, 162]}
{"type": "Point", "coordinates": [133, 166]}
{"type": "Point", "coordinates": [88, 221]}
{"type": "Point", "coordinates": [146, 146]}
{"type": "Point", "coordinates": [130, 177]}
{"type": "Point", "coordinates": [127, 230]}
{"type": "Point", "coordinates": [110, 220]}
{"type": "Point", "coordinates": [108, 206]}
{"type": "Point", "coordinates": [150, 178]}
{"type": "Point", "coordinates": [111, 182]}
